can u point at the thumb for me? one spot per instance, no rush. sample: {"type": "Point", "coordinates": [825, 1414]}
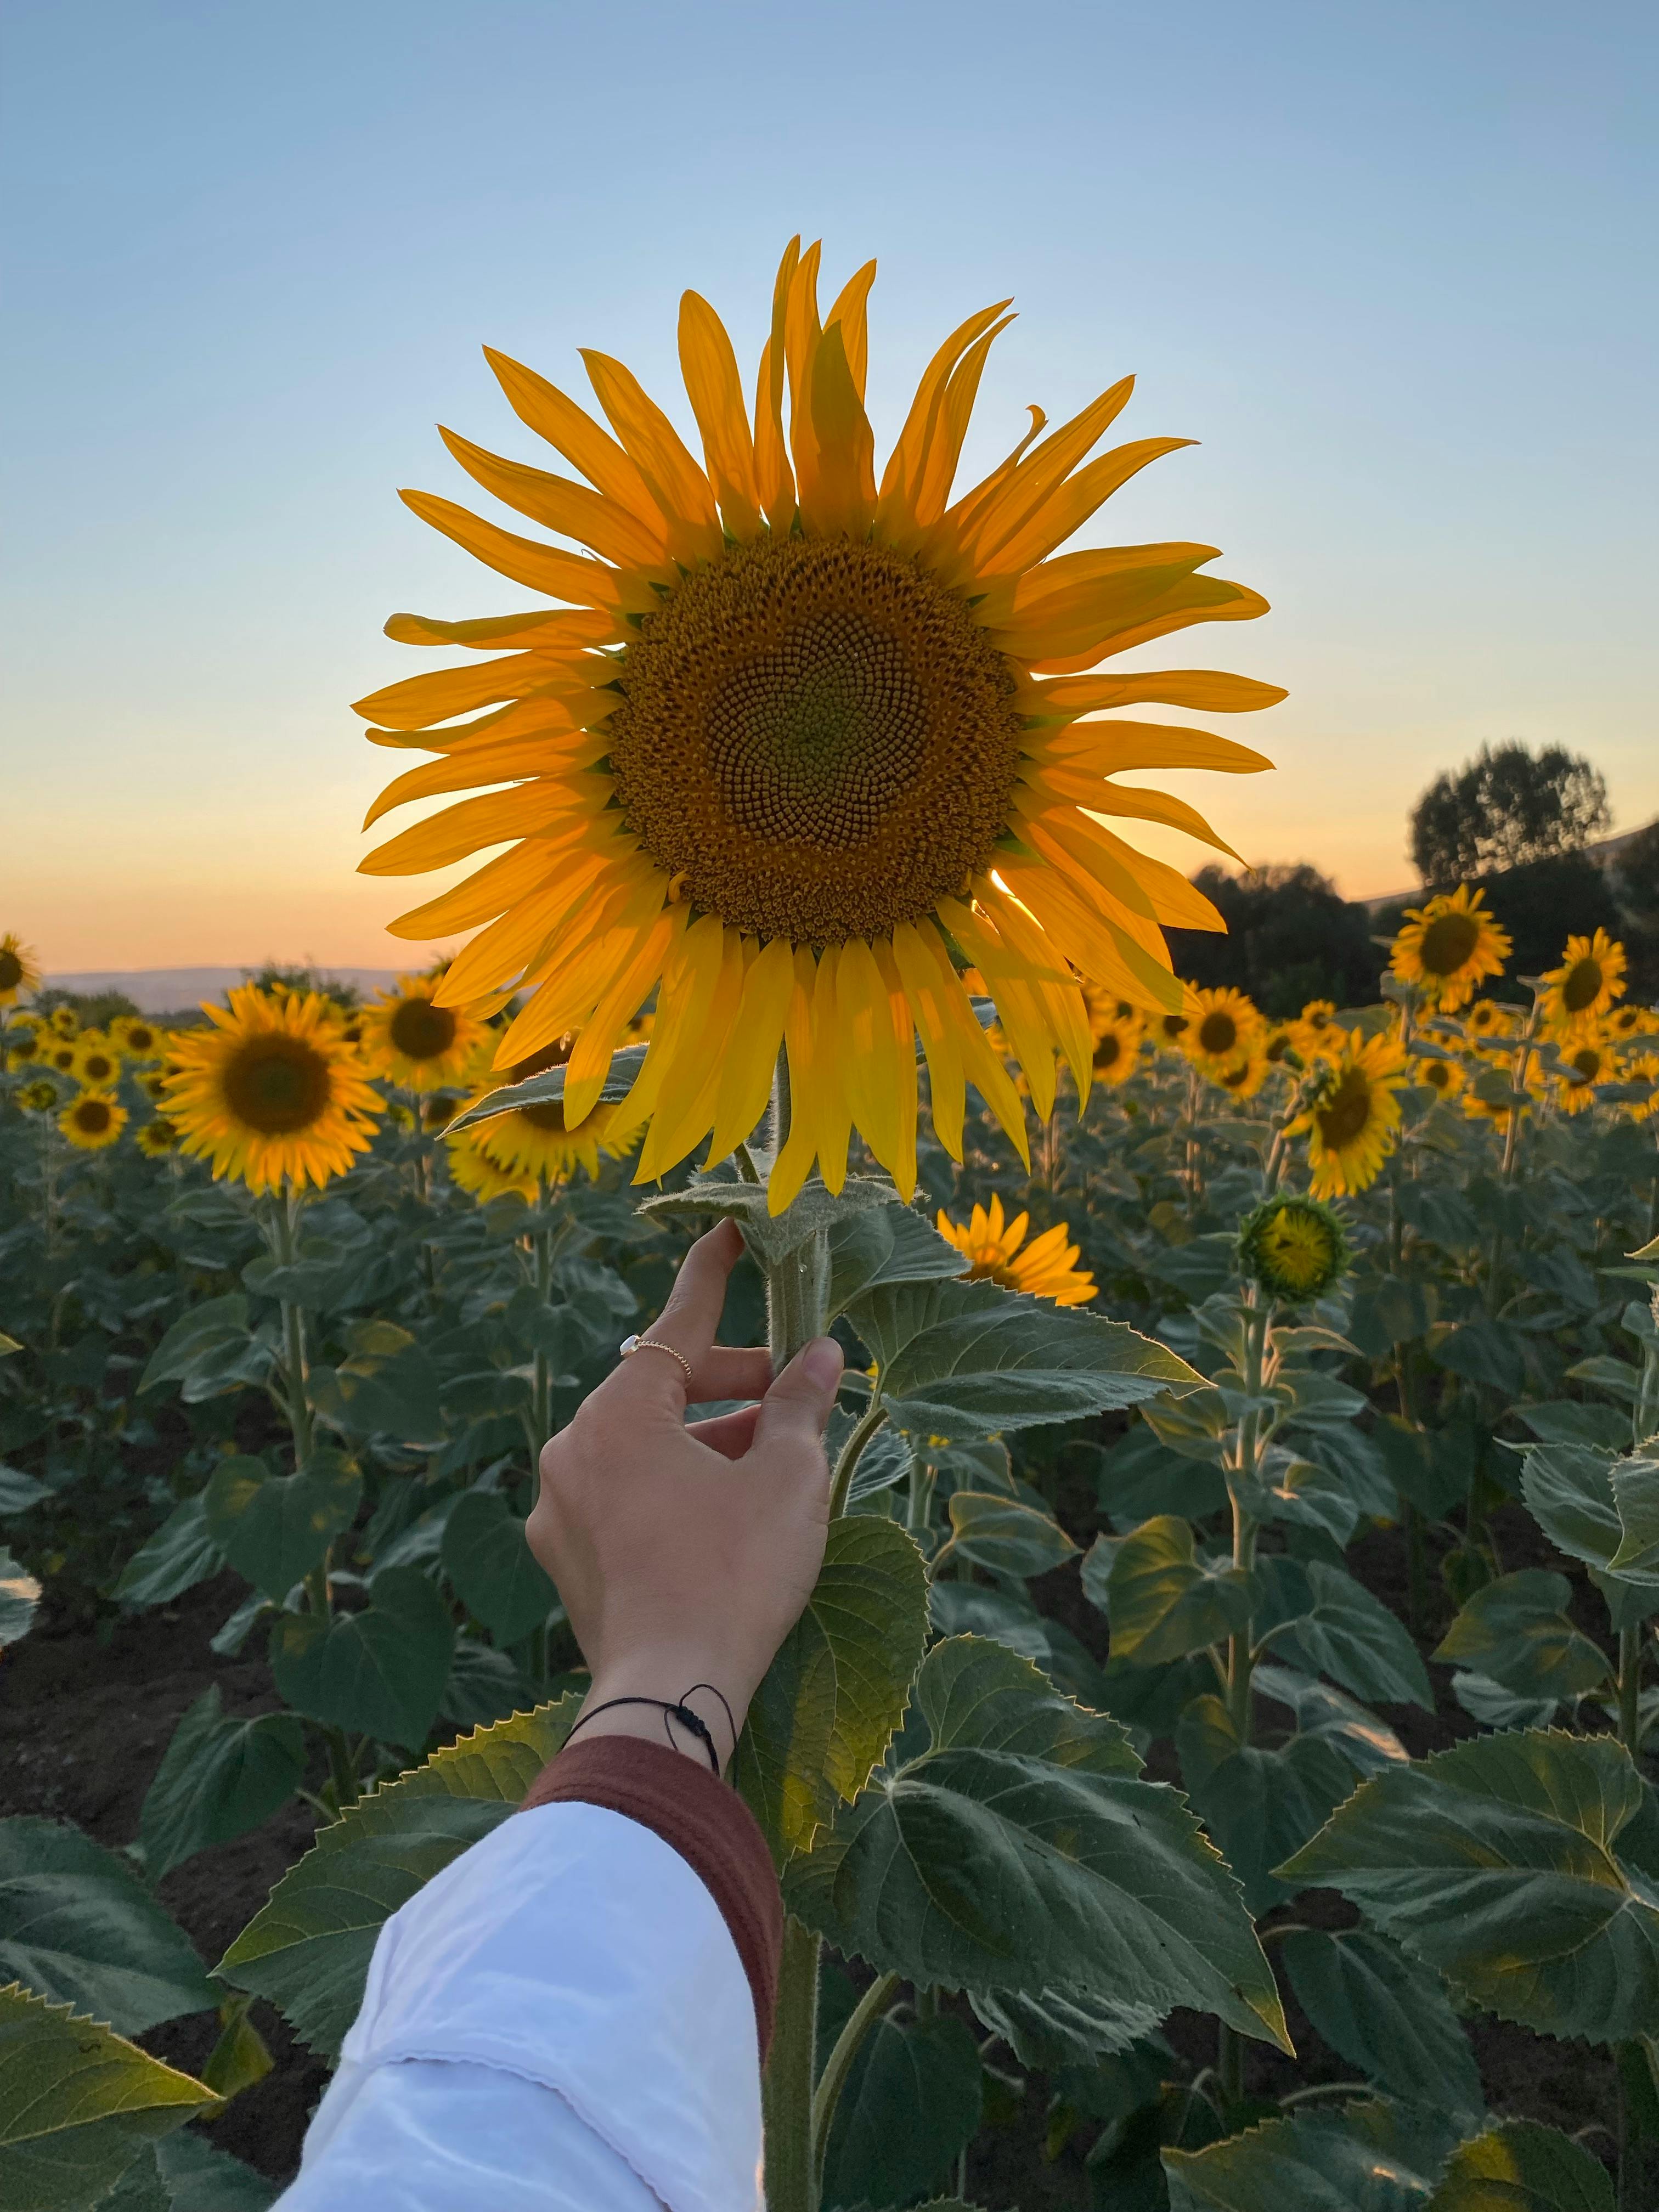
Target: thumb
{"type": "Point", "coordinates": [796, 1410]}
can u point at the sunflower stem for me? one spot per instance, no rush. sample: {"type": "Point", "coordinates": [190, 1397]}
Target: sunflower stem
{"type": "Point", "coordinates": [797, 1285]}
{"type": "Point", "coordinates": [851, 1452]}
{"type": "Point", "coordinates": [787, 2084]}
{"type": "Point", "coordinates": [874, 2002]}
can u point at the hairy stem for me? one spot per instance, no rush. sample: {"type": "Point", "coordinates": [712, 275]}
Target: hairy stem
{"type": "Point", "coordinates": [787, 2084]}
{"type": "Point", "coordinates": [851, 1452]}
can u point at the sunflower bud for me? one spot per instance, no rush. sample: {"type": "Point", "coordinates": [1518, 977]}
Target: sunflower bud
{"type": "Point", "coordinates": [1294, 1248]}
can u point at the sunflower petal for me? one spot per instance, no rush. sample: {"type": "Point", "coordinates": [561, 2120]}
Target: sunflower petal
{"type": "Point", "coordinates": [794, 1161]}
{"type": "Point", "coordinates": [1199, 599]}
{"type": "Point", "coordinates": [745, 1082]}
{"type": "Point", "coordinates": [507, 760]}
{"type": "Point", "coordinates": [851, 311]}
{"type": "Point", "coordinates": [1069, 506]}
{"type": "Point", "coordinates": [572, 431]}
{"type": "Point", "coordinates": [924, 985]}
{"type": "Point", "coordinates": [831, 1115]}
{"type": "Point", "coordinates": [843, 489]}
{"type": "Point", "coordinates": [1112, 748]}
{"type": "Point", "coordinates": [657, 450]}
{"type": "Point", "coordinates": [715, 390]}
{"type": "Point", "coordinates": [869, 1054]}
{"type": "Point", "coordinates": [905, 464]}
{"type": "Point", "coordinates": [590, 1063]}
{"type": "Point", "coordinates": [560, 503]}
{"type": "Point", "coordinates": [772, 474]}
{"type": "Point", "coordinates": [445, 692]}
{"type": "Point", "coordinates": [487, 891]}
{"type": "Point", "coordinates": [547, 569]}
{"type": "Point", "coordinates": [1208, 690]}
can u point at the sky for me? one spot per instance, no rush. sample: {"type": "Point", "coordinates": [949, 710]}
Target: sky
{"type": "Point", "coordinates": [1391, 266]}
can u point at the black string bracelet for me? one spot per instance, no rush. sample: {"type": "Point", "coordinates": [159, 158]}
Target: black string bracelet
{"type": "Point", "coordinates": [674, 1710]}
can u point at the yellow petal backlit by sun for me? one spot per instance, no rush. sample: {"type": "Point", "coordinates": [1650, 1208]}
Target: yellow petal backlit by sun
{"type": "Point", "coordinates": [802, 737]}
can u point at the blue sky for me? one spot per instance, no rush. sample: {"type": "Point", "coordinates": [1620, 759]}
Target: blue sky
{"type": "Point", "coordinates": [1391, 265]}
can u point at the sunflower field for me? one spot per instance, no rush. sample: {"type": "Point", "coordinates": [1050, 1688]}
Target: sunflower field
{"type": "Point", "coordinates": [1212, 1771]}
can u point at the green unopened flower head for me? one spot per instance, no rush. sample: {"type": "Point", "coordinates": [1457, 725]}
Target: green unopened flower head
{"type": "Point", "coordinates": [1295, 1248]}
{"type": "Point", "coordinates": [38, 1096]}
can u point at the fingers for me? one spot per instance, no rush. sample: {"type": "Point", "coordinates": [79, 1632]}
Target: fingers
{"type": "Point", "coordinates": [723, 1372]}
{"type": "Point", "coordinates": [687, 1323]}
{"type": "Point", "coordinates": [729, 1434]}
{"type": "Point", "coordinates": [795, 1411]}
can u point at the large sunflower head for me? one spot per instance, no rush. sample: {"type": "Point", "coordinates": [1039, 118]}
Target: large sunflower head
{"type": "Point", "coordinates": [1352, 1121]}
{"type": "Point", "coordinates": [271, 1092]}
{"type": "Point", "coordinates": [1591, 977]}
{"type": "Point", "coordinates": [1449, 946]}
{"type": "Point", "coordinates": [1224, 1025]}
{"type": "Point", "coordinates": [93, 1120]}
{"type": "Point", "coordinates": [1293, 1248]}
{"type": "Point", "coordinates": [997, 1253]}
{"type": "Point", "coordinates": [411, 1039]}
{"type": "Point", "coordinates": [534, 1145]}
{"type": "Point", "coordinates": [97, 1061]}
{"type": "Point", "coordinates": [20, 968]}
{"type": "Point", "coordinates": [802, 743]}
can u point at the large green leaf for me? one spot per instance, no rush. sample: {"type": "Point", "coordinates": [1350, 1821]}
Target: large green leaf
{"type": "Point", "coordinates": [193, 1344]}
{"type": "Point", "coordinates": [1372, 2157]}
{"type": "Point", "coordinates": [218, 1778]}
{"type": "Point", "coordinates": [1162, 1599]}
{"type": "Point", "coordinates": [1258, 1804]}
{"type": "Point", "coordinates": [274, 1529]}
{"type": "Point", "coordinates": [1636, 1495]}
{"type": "Point", "coordinates": [307, 1949]}
{"type": "Point", "coordinates": [180, 1554]}
{"type": "Point", "coordinates": [1516, 1631]}
{"type": "Point", "coordinates": [1519, 2166]}
{"type": "Point", "coordinates": [911, 2103]}
{"type": "Point", "coordinates": [1385, 2014]}
{"type": "Point", "coordinates": [969, 1359]}
{"type": "Point", "coordinates": [837, 1689]}
{"type": "Point", "coordinates": [18, 1491]}
{"type": "Point", "coordinates": [78, 1926]}
{"type": "Point", "coordinates": [771, 1237]}
{"type": "Point", "coordinates": [495, 1573]}
{"type": "Point", "coordinates": [395, 1398]}
{"type": "Point", "coordinates": [77, 2104]}
{"type": "Point", "coordinates": [888, 1244]}
{"type": "Point", "coordinates": [19, 1594]}
{"type": "Point", "coordinates": [1525, 1867]}
{"type": "Point", "coordinates": [1334, 1626]}
{"type": "Point", "coordinates": [1569, 1490]}
{"type": "Point", "coordinates": [1017, 1855]}
{"type": "Point", "coordinates": [1367, 1743]}
{"type": "Point", "coordinates": [184, 2173]}
{"type": "Point", "coordinates": [379, 1673]}
{"type": "Point", "coordinates": [1007, 1536]}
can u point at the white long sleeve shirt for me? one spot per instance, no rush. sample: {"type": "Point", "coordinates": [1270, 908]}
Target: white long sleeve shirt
{"type": "Point", "coordinates": [561, 2020]}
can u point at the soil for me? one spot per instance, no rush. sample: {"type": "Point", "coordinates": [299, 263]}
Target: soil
{"type": "Point", "coordinates": [85, 1718]}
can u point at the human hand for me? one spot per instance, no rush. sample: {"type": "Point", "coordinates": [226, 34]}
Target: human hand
{"type": "Point", "coordinates": [684, 1552]}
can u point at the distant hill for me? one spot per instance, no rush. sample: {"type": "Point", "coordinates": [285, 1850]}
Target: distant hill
{"type": "Point", "coordinates": [168, 990]}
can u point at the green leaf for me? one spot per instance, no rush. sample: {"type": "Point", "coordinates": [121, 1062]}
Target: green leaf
{"type": "Point", "coordinates": [307, 1949]}
{"type": "Point", "coordinates": [910, 2103]}
{"type": "Point", "coordinates": [240, 2056]}
{"type": "Point", "coordinates": [1391, 1309]}
{"type": "Point", "coordinates": [180, 1554]}
{"type": "Point", "coordinates": [1385, 2014]}
{"type": "Point", "coordinates": [1162, 1600]}
{"type": "Point", "coordinates": [1516, 1631]}
{"type": "Point", "coordinates": [960, 1359]}
{"type": "Point", "coordinates": [19, 1594]}
{"type": "Point", "coordinates": [548, 1089]}
{"type": "Point", "coordinates": [1519, 2166]}
{"type": "Point", "coordinates": [1260, 1805]}
{"type": "Point", "coordinates": [992, 1865]}
{"type": "Point", "coordinates": [18, 1491]}
{"type": "Point", "coordinates": [1568, 1488]}
{"type": "Point", "coordinates": [379, 1673]}
{"type": "Point", "coordinates": [887, 1244]}
{"type": "Point", "coordinates": [1570, 1421]}
{"type": "Point", "coordinates": [1604, 1372]}
{"type": "Point", "coordinates": [1371, 2157]}
{"type": "Point", "coordinates": [191, 1343]}
{"type": "Point", "coordinates": [1499, 1863]}
{"type": "Point", "coordinates": [1065, 2027]}
{"type": "Point", "coordinates": [77, 2104]}
{"type": "Point", "coordinates": [274, 1529]}
{"type": "Point", "coordinates": [836, 1691]}
{"type": "Point", "coordinates": [397, 1398]}
{"type": "Point", "coordinates": [771, 1237]}
{"type": "Point", "coordinates": [1368, 1744]}
{"type": "Point", "coordinates": [218, 1778]}
{"type": "Point", "coordinates": [1636, 1497]}
{"type": "Point", "coordinates": [1480, 1351]}
{"type": "Point", "coordinates": [77, 1926]}
{"type": "Point", "coordinates": [1340, 1629]}
{"type": "Point", "coordinates": [184, 2173]}
{"type": "Point", "coordinates": [1006, 1535]}
{"type": "Point", "coordinates": [493, 1570]}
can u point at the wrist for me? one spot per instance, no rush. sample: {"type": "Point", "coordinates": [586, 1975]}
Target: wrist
{"type": "Point", "coordinates": [661, 1684]}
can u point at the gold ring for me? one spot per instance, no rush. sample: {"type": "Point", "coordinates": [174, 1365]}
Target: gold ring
{"type": "Point", "coordinates": [630, 1345]}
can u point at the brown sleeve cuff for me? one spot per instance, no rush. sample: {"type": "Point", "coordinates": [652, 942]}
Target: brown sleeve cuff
{"type": "Point", "coordinates": [701, 1819]}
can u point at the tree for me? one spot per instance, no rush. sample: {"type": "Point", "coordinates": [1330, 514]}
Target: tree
{"type": "Point", "coordinates": [1506, 808]}
{"type": "Point", "coordinates": [1291, 936]}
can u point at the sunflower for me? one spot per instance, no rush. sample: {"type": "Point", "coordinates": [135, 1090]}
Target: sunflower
{"type": "Point", "coordinates": [411, 1039]}
{"type": "Point", "coordinates": [1488, 1017]}
{"type": "Point", "coordinates": [1350, 1127]}
{"type": "Point", "coordinates": [154, 1085]}
{"type": "Point", "coordinates": [157, 1138]}
{"type": "Point", "coordinates": [1224, 1024]}
{"type": "Point", "coordinates": [1630, 1021]}
{"type": "Point", "coordinates": [93, 1120]}
{"type": "Point", "coordinates": [1591, 977]}
{"type": "Point", "coordinates": [61, 1056]}
{"type": "Point", "coordinates": [97, 1062]}
{"type": "Point", "coordinates": [271, 1092]}
{"type": "Point", "coordinates": [1277, 1041]}
{"type": "Point", "coordinates": [1047, 1268]}
{"type": "Point", "coordinates": [1170, 1029]}
{"type": "Point", "coordinates": [1645, 1070]}
{"type": "Point", "coordinates": [473, 1169]}
{"type": "Point", "coordinates": [1294, 1248]}
{"type": "Point", "coordinates": [1449, 946]}
{"type": "Point", "coordinates": [20, 968]}
{"type": "Point", "coordinates": [535, 1143]}
{"type": "Point", "coordinates": [1243, 1077]}
{"type": "Point", "coordinates": [26, 1047]}
{"type": "Point", "coordinates": [39, 1096]}
{"type": "Point", "coordinates": [137, 1039]}
{"type": "Point", "coordinates": [438, 1110]}
{"type": "Point", "coordinates": [802, 744]}
{"type": "Point", "coordinates": [65, 1021]}
{"type": "Point", "coordinates": [1586, 1060]}
{"type": "Point", "coordinates": [1443, 1077]}
{"type": "Point", "coordinates": [1316, 1033]}
{"type": "Point", "coordinates": [1117, 1048]}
